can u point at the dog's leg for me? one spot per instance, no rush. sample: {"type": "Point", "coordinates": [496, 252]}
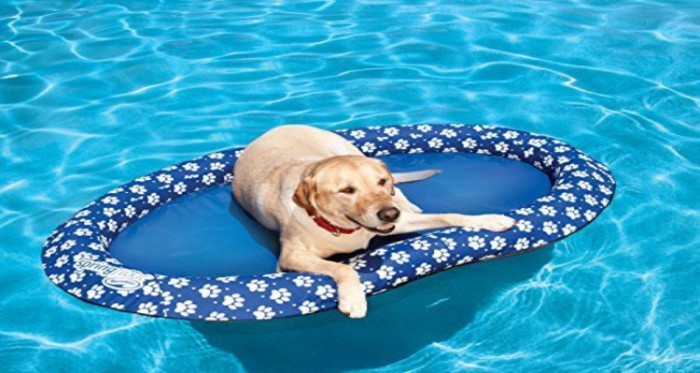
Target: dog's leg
{"type": "Point", "coordinates": [351, 297]}
{"type": "Point", "coordinates": [412, 222]}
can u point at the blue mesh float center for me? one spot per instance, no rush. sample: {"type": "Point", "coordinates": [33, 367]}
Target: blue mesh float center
{"type": "Point", "coordinates": [207, 234]}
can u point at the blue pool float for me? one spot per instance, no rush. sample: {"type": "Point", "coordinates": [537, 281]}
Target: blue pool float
{"type": "Point", "coordinates": [94, 257]}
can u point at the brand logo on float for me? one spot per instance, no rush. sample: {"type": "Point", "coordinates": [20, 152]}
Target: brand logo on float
{"type": "Point", "coordinates": [114, 277]}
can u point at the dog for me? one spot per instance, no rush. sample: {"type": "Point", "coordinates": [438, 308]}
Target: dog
{"type": "Point", "coordinates": [325, 197]}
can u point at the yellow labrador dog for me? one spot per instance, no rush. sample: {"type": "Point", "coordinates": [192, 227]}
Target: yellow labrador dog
{"type": "Point", "coordinates": [325, 197]}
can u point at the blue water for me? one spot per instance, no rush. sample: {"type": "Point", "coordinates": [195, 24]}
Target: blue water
{"type": "Point", "coordinates": [94, 94]}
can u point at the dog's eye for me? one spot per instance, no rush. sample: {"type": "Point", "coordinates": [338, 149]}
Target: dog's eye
{"type": "Point", "coordinates": [348, 190]}
{"type": "Point", "coordinates": [382, 182]}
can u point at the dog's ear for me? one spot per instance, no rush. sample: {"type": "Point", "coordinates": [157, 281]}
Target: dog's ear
{"type": "Point", "coordinates": [391, 176]}
{"type": "Point", "coordinates": [393, 187]}
{"type": "Point", "coordinates": [302, 195]}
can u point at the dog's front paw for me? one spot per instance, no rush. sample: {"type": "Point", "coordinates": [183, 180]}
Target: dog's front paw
{"type": "Point", "coordinates": [496, 223]}
{"type": "Point", "coordinates": [352, 303]}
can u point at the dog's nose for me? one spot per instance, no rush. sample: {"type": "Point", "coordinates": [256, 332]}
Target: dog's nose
{"type": "Point", "coordinates": [389, 214]}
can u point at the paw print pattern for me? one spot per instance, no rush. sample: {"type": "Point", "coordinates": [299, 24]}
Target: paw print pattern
{"type": "Point", "coordinates": [76, 256]}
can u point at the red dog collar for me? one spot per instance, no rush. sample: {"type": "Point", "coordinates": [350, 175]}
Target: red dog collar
{"type": "Point", "coordinates": [334, 229]}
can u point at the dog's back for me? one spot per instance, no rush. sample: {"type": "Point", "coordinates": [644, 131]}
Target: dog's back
{"type": "Point", "coordinates": [269, 169]}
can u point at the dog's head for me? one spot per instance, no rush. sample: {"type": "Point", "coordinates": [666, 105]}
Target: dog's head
{"type": "Point", "coordinates": [350, 191]}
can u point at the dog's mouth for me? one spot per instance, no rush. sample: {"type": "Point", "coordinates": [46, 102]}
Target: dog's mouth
{"type": "Point", "coordinates": [382, 229]}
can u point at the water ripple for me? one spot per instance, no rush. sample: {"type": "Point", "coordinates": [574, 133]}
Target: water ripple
{"type": "Point", "coordinates": [95, 94]}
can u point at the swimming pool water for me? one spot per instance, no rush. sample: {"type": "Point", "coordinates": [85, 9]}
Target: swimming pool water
{"type": "Point", "coordinates": [94, 94]}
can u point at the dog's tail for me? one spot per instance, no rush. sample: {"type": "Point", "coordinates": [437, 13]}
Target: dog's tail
{"type": "Point", "coordinates": [407, 177]}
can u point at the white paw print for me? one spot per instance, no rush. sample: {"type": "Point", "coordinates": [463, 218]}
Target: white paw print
{"type": "Point", "coordinates": [151, 288]}
{"type": "Point", "coordinates": [178, 282]}
{"type": "Point", "coordinates": [167, 298]}
{"type": "Point", "coordinates": [423, 269]}
{"type": "Point", "coordinates": [589, 215]}
{"type": "Point", "coordinates": [441, 255]}
{"type": "Point", "coordinates": [77, 276]}
{"type": "Point", "coordinates": [386, 272]}
{"type": "Point", "coordinates": [357, 134]}
{"type": "Point", "coordinates": [501, 147]}
{"type": "Point", "coordinates": [67, 245]}
{"type": "Point", "coordinates": [57, 278]}
{"type": "Point", "coordinates": [466, 259]}
{"type": "Point", "coordinates": [217, 166]}
{"type": "Point", "coordinates": [280, 296]}
{"type": "Point", "coordinates": [400, 257]}
{"type": "Point", "coordinates": [216, 316]}
{"type": "Point", "coordinates": [399, 281]}
{"type": "Point", "coordinates": [568, 229]}
{"type": "Point", "coordinates": [525, 211]}
{"type": "Point", "coordinates": [524, 226]}
{"type": "Point", "coordinates": [61, 261]}
{"type": "Point", "coordinates": [550, 227]}
{"type": "Point", "coordinates": [590, 200]}
{"type": "Point", "coordinates": [264, 313]}
{"type": "Point", "coordinates": [186, 308]}
{"type": "Point", "coordinates": [84, 256]}
{"type": "Point", "coordinates": [303, 281]}
{"type": "Point", "coordinates": [573, 213]}
{"type": "Point", "coordinates": [209, 179]}
{"type": "Point", "coordinates": [164, 178]}
{"type": "Point", "coordinates": [476, 242]}
{"type": "Point", "coordinates": [180, 188]}
{"type": "Point", "coordinates": [153, 199]}
{"type": "Point", "coordinates": [450, 243]}
{"type": "Point", "coordinates": [191, 167]}
{"type": "Point", "coordinates": [257, 285]}
{"type": "Point", "coordinates": [424, 128]}
{"type": "Point", "coordinates": [537, 142]}
{"type": "Point", "coordinates": [209, 291]}
{"type": "Point", "coordinates": [368, 147]}
{"type": "Point", "coordinates": [568, 197]}
{"type": "Point", "coordinates": [420, 245]}
{"type": "Point", "coordinates": [112, 225]}
{"type": "Point", "coordinates": [584, 185]}
{"type": "Point", "coordinates": [358, 263]}
{"type": "Point", "coordinates": [469, 143]}
{"type": "Point", "coordinates": [498, 243]}
{"type": "Point", "coordinates": [147, 308]}
{"type": "Point", "coordinates": [117, 306]}
{"type": "Point", "coordinates": [510, 135]}
{"type": "Point", "coordinates": [449, 133]}
{"type": "Point", "coordinates": [325, 291]}
{"type": "Point", "coordinates": [391, 131]}
{"type": "Point", "coordinates": [110, 200]}
{"type": "Point", "coordinates": [109, 211]}
{"type": "Point", "coordinates": [130, 211]}
{"type": "Point", "coordinates": [548, 210]}
{"type": "Point", "coordinates": [308, 307]}
{"type": "Point", "coordinates": [435, 143]}
{"type": "Point", "coordinates": [50, 251]}
{"type": "Point", "coordinates": [234, 301]}
{"type": "Point", "coordinates": [95, 292]}
{"type": "Point", "coordinates": [401, 144]}
{"type": "Point", "coordinates": [521, 244]}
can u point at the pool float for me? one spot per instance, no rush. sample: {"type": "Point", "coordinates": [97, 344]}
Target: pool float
{"type": "Point", "coordinates": [551, 189]}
